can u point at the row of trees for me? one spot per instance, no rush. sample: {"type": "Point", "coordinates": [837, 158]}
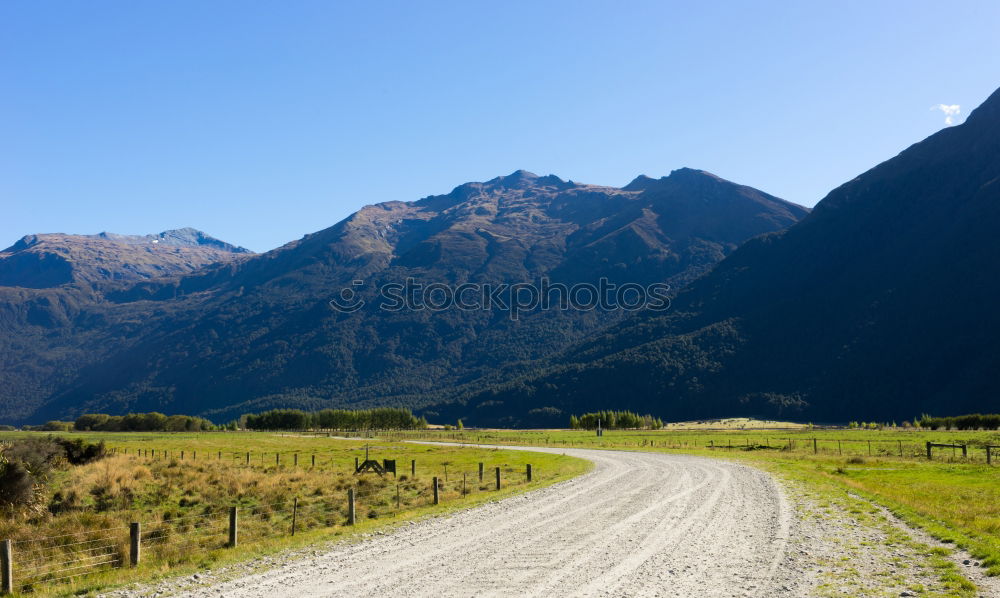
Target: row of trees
{"type": "Point", "coordinates": [381, 418]}
{"type": "Point", "coordinates": [973, 421]}
{"type": "Point", "coordinates": [614, 420]}
{"type": "Point", "coordinates": [142, 422]}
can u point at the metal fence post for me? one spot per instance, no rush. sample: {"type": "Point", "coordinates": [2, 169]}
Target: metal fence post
{"type": "Point", "coordinates": [351, 515]}
{"type": "Point", "coordinates": [134, 535]}
{"type": "Point", "coordinates": [232, 527]}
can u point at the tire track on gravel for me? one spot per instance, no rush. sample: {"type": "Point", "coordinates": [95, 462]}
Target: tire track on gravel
{"type": "Point", "coordinates": [638, 524]}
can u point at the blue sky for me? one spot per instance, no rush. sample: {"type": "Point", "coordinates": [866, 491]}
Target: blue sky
{"type": "Point", "coordinates": [260, 122]}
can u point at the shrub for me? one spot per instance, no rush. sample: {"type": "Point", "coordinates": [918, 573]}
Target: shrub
{"type": "Point", "coordinates": [27, 462]}
{"type": "Point", "coordinates": [38, 454]}
{"type": "Point", "coordinates": [17, 485]}
{"type": "Point", "coordinates": [79, 452]}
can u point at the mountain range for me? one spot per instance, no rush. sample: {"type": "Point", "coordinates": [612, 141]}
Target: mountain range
{"type": "Point", "coordinates": [875, 305]}
{"type": "Point", "coordinates": [249, 332]}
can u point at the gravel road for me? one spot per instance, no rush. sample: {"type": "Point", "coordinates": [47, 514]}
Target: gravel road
{"type": "Point", "coordinates": [639, 524]}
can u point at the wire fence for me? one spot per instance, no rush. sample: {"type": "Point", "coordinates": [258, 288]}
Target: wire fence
{"type": "Point", "coordinates": [980, 450]}
{"type": "Point", "coordinates": [31, 563]}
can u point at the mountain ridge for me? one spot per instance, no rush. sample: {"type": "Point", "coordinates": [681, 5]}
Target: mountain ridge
{"type": "Point", "coordinates": [54, 259]}
{"type": "Point", "coordinates": [260, 328]}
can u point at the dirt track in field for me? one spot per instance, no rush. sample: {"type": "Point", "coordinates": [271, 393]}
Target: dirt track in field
{"type": "Point", "coordinates": [639, 524]}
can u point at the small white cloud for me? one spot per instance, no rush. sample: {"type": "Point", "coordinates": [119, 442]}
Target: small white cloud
{"type": "Point", "coordinates": [950, 112]}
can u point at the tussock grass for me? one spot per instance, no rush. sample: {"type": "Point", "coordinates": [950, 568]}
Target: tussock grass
{"type": "Point", "coordinates": [182, 504]}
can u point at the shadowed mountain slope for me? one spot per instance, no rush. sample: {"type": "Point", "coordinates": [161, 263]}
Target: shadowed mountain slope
{"type": "Point", "coordinates": [878, 305]}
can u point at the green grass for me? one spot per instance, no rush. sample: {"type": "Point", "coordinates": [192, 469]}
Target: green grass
{"type": "Point", "coordinates": [182, 503]}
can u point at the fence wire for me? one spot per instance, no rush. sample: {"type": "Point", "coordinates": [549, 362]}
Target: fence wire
{"type": "Point", "coordinates": [54, 559]}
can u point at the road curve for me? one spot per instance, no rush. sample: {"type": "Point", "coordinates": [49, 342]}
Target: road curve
{"type": "Point", "coordinates": [639, 524]}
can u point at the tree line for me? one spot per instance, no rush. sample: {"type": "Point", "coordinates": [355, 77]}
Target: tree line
{"type": "Point", "coordinates": [381, 418]}
{"type": "Point", "coordinates": [614, 420]}
{"type": "Point", "coordinates": [140, 422]}
{"type": "Point", "coordinates": [972, 421]}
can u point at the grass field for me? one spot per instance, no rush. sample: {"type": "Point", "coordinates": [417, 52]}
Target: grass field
{"type": "Point", "coordinates": [180, 486]}
{"type": "Point", "coordinates": [955, 499]}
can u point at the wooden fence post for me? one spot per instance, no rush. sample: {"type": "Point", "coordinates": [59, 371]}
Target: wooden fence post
{"type": "Point", "coordinates": [928, 451]}
{"type": "Point", "coordinates": [232, 527]}
{"type": "Point", "coordinates": [295, 460]}
{"type": "Point", "coordinates": [498, 478]}
{"type": "Point", "coordinates": [295, 512]}
{"type": "Point", "coordinates": [988, 447]}
{"type": "Point", "coordinates": [7, 567]}
{"type": "Point", "coordinates": [815, 448]}
{"type": "Point", "coordinates": [464, 491]}
{"type": "Point", "coordinates": [480, 473]}
{"type": "Point", "coordinates": [528, 472]}
{"type": "Point", "coordinates": [277, 458]}
{"type": "Point", "coordinates": [397, 496]}
{"type": "Point", "coordinates": [134, 535]}
{"type": "Point", "coordinates": [413, 468]}
{"type": "Point", "coordinates": [965, 451]}
{"type": "Point", "coordinates": [314, 460]}
{"type": "Point", "coordinates": [437, 498]}
{"type": "Point", "coordinates": [350, 507]}
{"type": "Point", "coordinates": [248, 457]}
{"type": "Point", "coordinates": [900, 449]}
